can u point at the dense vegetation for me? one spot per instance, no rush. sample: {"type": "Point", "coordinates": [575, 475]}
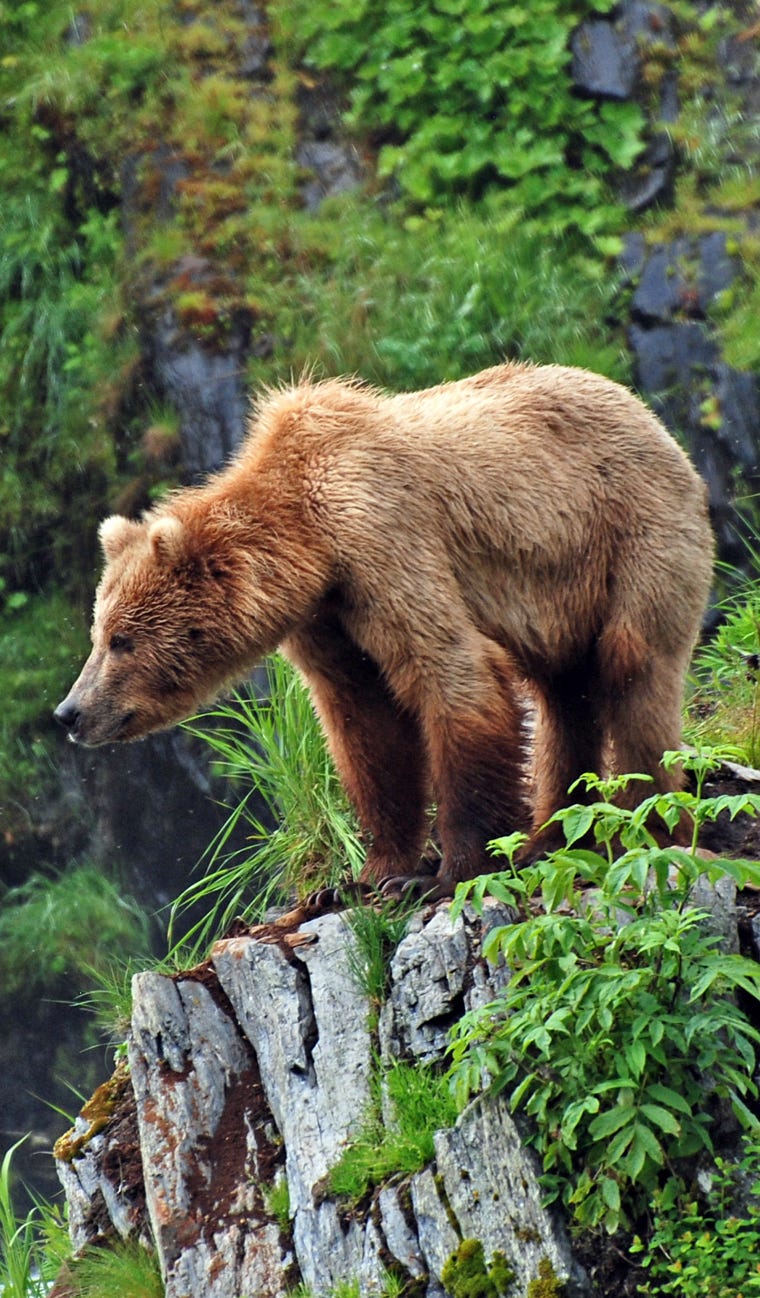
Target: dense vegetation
{"type": "Point", "coordinates": [147, 169]}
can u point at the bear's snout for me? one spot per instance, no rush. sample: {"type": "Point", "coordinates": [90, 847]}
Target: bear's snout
{"type": "Point", "coordinates": [68, 715]}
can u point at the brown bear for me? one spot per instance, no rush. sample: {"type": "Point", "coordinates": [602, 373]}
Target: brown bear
{"type": "Point", "coordinates": [427, 561]}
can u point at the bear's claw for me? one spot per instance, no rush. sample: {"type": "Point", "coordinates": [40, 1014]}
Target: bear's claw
{"type": "Point", "coordinates": [415, 887]}
{"type": "Point", "coordinates": [349, 892]}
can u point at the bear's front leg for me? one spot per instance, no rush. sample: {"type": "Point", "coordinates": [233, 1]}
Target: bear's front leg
{"type": "Point", "coordinates": [375, 742]}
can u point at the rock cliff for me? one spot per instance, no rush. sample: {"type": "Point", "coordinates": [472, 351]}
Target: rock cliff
{"type": "Point", "coordinates": [255, 1069]}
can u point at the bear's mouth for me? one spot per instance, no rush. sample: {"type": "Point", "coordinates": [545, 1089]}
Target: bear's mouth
{"type": "Point", "coordinates": [79, 733]}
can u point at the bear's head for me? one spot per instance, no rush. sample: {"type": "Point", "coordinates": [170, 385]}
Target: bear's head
{"type": "Point", "coordinates": [167, 633]}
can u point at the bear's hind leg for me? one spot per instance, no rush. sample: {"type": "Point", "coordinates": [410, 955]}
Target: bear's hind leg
{"type": "Point", "coordinates": [569, 740]}
{"type": "Point", "coordinates": [644, 720]}
{"type": "Point", "coordinates": [475, 735]}
{"type": "Point", "coordinates": [375, 744]}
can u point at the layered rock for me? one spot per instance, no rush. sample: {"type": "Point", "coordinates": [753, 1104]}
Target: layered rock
{"type": "Point", "coordinates": [256, 1067]}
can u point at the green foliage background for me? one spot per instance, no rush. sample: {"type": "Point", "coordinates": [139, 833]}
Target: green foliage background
{"type": "Point", "coordinates": [443, 279]}
{"type": "Point", "coordinates": [487, 228]}
{"type": "Point", "coordinates": [468, 96]}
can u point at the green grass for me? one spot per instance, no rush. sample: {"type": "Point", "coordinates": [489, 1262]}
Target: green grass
{"type": "Point", "coordinates": [277, 1201]}
{"type": "Point", "coordinates": [411, 302]}
{"type": "Point", "coordinates": [108, 998]}
{"type": "Point", "coordinates": [32, 1247]}
{"type": "Point", "coordinates": [59, 930]}
{"type": "Point", "coordinates": [725, 705]}
{"type": "Point", "coordinates": [377, 931]}
{"type": "Point", "coordinates": [396, 1138]}
{"type": "Point", "coordinates": [123, 1270]}
{"type": "Point", "coordinates": [273, 749]}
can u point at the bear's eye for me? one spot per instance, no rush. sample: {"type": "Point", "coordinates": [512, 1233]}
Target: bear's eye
{"type": "Point", "coordinates": [121, 644]}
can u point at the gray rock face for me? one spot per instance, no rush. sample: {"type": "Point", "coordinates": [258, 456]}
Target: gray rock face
{"type": "Point", "coordinates": [257, 1065]}
{"type": "Point", "coordinates": [490, 1182]}
{"type": "Point", "coordinates": [197, 1092]}
{"type": "Point", "coordinates": [91, 1166]}
{"type": "Point", "coordinates": [427, 989]}
{"type": "Point", "coordinates": [607, 51]}
{"type": "Point", "coordinates": [713, 407]}
{"type": "Point", "coordinates": [605, 60]}
{"type": "Point", "coordinates": [206, 388]}
{"type": "Point", "coordinates": [302, 1016]}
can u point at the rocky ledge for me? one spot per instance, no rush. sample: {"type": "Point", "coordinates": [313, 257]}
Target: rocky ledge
{"type": "Point", "coordinates": [248, 1076]}
{"type": "Point", "coordinates": [254, 1069]}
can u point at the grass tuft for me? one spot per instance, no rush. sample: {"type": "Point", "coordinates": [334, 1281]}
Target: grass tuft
{"type": "Point", "coordinates": [273, 745]}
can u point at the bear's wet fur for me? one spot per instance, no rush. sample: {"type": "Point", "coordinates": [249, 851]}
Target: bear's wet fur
{"type": "Point", "coordinates": [428, 561]}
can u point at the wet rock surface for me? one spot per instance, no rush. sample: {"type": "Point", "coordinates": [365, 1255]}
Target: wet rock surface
{"type": "Point", "coordinates": [258, 1064]}
{"type": "Point", "coordinates": [607, 52]}
{"type": "Point", "coordinates": [713, 407]}
{"type": "Point", "coordinates": [254, 1068]}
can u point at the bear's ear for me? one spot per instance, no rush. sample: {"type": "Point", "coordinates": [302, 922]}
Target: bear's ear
{"type": "Point", "coordinates": [167, 536]}
{"type": "Point", "coordinates": [116, 533]}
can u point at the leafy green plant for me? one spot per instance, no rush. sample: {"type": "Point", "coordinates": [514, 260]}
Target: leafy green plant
{"type": "Point", "coordinates": [396, 1136]}
{"type": "Point", "coordinates": [705, 1244]}
{"type": "Point", "coordinates": [620, 1013]}
{"type": "Point", "coordinates": [273, 745]}
{"type": "Point", "coordinates": [65, 927]}
{"type": "Point", "coordinates": [469, 94]}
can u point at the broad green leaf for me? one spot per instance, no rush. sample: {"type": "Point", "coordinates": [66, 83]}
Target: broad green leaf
{"type": "Point", "coordinates": [666, 1095]}
{"type": "Point", "coordinates": [661, 1118]}
{"type": "Point", "coordinates": [610, 1193]}
{"type": "Point", "coordinates": [607, 1123]}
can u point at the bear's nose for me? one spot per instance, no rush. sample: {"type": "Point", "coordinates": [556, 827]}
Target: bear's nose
{"type": "Point", "coordinates": [67, 714]}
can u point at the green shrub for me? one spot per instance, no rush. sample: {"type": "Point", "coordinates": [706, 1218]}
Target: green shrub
{"type": "Point", "coordinates": [619, 1018]}
{"type": "Point", "coordinates": [471, 94]}
{"type": "Point", "coordinates": [705, 1245]}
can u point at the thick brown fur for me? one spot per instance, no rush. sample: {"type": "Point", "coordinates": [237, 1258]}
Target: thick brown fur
{"type": "Point", "coordinates": [424, 559]}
